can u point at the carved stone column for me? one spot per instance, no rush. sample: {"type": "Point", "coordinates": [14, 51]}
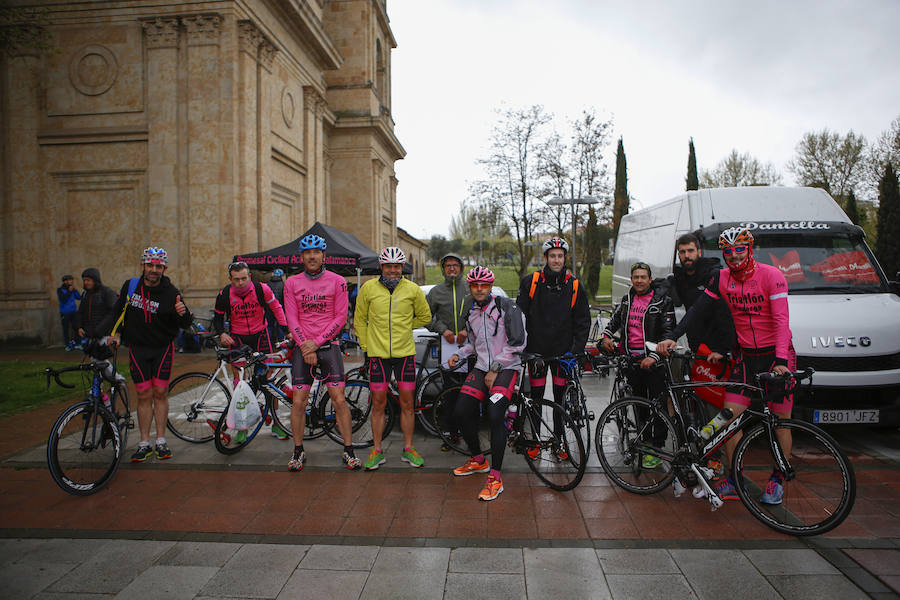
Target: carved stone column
{"type": "Point", "coordinates": [205, 149]}
{"type": "Point", "coordinates": [161, 39]}
{"type": "Point", "coordinates": [313, 149]}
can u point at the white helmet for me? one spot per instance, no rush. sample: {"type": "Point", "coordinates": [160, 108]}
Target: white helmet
{"type": "Point", "coordinates": [392, 255]}
{"type": "Point", "coordinates": [555, 242]}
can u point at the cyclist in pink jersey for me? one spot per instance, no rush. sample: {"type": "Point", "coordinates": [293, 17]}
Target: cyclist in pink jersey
{"type": "Point", "coordinates": [315, 303]}
{"type": "Point", "coordinates": [756, 295]}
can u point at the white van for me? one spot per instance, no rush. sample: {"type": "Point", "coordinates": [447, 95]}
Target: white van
{"type": "Point", "coordinates": [845, 314]}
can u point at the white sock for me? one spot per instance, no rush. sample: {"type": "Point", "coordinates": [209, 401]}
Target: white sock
{"type": "Point", "coordinates": [143, 443]}
{"type": "Point", "coordinates": [160, 440]}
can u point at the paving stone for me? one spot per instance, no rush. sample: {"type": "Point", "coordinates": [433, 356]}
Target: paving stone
{"type": "Point", "coordinates": [575, 570]}
{"type": "Point", "coordinates": [479, 560]}
{"type": "Point", "coordinates": [199, 554]}
{"type": "Point", "coordinates": [64, 596]}
{"type": "Point", "coordinates": [167, 581]}
{"type": "Point", "coordinates": [320, 584]}
{"type": "Point", "coordinates": [277, 557]}
{"type": "Point", "coordinates": [636, 561]}
{"type": "Point", "coordinates": [340, 558]}
{"type": "Point", "coordinates": [414, 573]}
{"type": "Point", "coordinates": [61, 550]}
{"type": "Point", "coordinates": [26, 579]}
{"type": "Point", "coordinates": [496, 586]}
{"type": "Point", "coordinates": [246, 583]}
{"type": "Point", "coordinates": [717, 574]}
{"type": "Point", "coordinates": [820, 587]}
{"type": "Point", "coordinates": [112, 567]}
{"type": "Point", "coordinates": [650, 587]}
{"type": "Point", "coordinates": [790, 562]}
{"type": "Point", "coordinates": [15, 549]}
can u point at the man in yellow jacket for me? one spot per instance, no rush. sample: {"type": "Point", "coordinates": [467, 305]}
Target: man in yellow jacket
{"type": "Point", "coordinates": [387, 311]}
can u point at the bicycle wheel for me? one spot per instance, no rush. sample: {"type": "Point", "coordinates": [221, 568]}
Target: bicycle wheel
{"type": "Point", "coordinates": [551, 444]}
{"type": "Point", "coordinates": [816, 499]}
{"type": "Point", "coordinates": [448, 428]}
{"type": "Point", "coordinates": [84, 449]}
{"type": "Point", "coordinates": [231, 441]}
{"type": "Point", "coordinates": [122, 411]}
{"type": "Point", "coordinates": [624, 437]}
{"type": "Point", "coordinates": [426, 392]}
{"type": "Point", "coordinates": [280, 410]}
{"type": "Point", "coordinates": [576, 406]}
{"type": "Point", "coordinates": [196, 401]}
{"type": "Point", "coordinates": [359, 400]}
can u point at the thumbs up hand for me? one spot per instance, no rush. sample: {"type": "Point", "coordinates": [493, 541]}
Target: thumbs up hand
{"type": "Point", "coordinates": [180, 308]}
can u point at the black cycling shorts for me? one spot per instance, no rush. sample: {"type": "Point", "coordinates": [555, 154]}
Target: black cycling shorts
{"type": "Point", "coordinates": [259, 341]}
{"type": "Point", "coordinates": [330, 368]}
{"type": "Point", "coordinates": [403, 369]}
{"type": "Point", "coordinates": [150, 366]}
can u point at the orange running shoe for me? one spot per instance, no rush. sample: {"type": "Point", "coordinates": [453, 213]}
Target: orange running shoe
{"type": "Point", "coordinates": [492, 489]}
{"type": "Point", "coordinates": [471, 467]}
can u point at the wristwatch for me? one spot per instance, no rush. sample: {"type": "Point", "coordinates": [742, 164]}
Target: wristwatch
{"type": "Point", "coordinates": [495, 366]}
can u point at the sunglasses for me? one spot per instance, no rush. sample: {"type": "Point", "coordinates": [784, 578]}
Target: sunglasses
{"type": "Point", "coordinates": [481, 286]}
{"type": "Point", "coordinates": [735, 250]}
{"type": "Point", "coordinates": [640, 265]}
{"type": "Point", "coordinates": [237, 266]}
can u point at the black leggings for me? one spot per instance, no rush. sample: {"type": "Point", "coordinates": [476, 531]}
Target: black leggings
{"type": "Point", "coordinates": [467, 415]}
{"type": "Point", "coordinates": [650, 384]}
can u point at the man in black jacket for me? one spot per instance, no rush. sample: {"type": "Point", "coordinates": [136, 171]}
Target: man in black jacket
{"type": "Point", "coordinates": [557, 316]}
{"type": "Point", "coordinates": [690, 280]}
{"type": "Point", "coordinates": [96, 305]}
{"type": "Point", "coordinates": [645, 314]}
{"type": "Point", "coordinates": [153, 313]}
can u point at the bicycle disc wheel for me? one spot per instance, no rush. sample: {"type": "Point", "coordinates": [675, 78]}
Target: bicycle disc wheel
{"type": "Point", "coordinates": [84, 449]}
{"type": "Point", "coordinates": [426, 393]}
{"type": "Point", "coordinates": [448, 428]}
{"type": "Point", "coordinates": [551, 444]}
{"type": "Point", "coordinates": [359, 400]}
{"type": "Point", "coordinates": [196, 401]}
{"type": "Point", "coordinates": [625, 436]}
{"type": "Point", "coordinates": [231, 441]}
{"type": "Point", "coordinates": [576, 406]}
{"type": "Point", "coordinates": [816, 499]}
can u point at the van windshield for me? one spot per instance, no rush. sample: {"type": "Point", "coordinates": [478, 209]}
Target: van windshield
{"type": "Point", "coordinates": [819, 264]}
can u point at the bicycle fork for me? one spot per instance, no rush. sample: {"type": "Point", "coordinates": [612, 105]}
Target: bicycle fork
{"type": "Point", "coordinates": [702, 488]}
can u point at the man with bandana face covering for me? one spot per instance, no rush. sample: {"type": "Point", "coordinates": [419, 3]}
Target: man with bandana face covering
{"type": "Point", "coordinates": [387, 311]}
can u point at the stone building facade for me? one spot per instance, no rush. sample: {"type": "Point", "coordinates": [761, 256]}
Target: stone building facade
{"type": "Point", "coordinates": [209, 128]}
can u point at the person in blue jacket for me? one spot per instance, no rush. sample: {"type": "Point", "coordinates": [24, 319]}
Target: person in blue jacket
{"type": "Point", "coordinates": [68, 311]}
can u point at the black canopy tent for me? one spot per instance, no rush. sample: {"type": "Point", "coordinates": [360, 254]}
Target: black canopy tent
{"type": "Point", "coordinates": [346, 255]}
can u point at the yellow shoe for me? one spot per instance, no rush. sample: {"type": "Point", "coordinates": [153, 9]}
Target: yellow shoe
{"type": "Point", "coordinates": [471, 467]}
{"type": "Point", "coordinates": [492, 489]}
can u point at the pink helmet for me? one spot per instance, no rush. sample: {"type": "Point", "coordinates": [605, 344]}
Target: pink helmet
{"type": "Point", "coordinates": [480, 275]}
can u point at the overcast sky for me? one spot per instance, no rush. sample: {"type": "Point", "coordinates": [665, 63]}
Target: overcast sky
{"type": "Point", "coordinates": [753, 76]}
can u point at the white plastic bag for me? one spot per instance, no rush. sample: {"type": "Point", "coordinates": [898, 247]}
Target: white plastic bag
{"type": "Point", "coordinates": [243, 412]}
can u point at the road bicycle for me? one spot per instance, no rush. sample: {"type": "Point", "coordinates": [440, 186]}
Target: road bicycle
{"type": "Point", "coordinates": [819, 481]}
{"type": "Point", "coordinates": [88, 439]}
{"type": "Point", "coordinates": [541, 431]}
{"type": "Point", "coordinates": [574, 400]}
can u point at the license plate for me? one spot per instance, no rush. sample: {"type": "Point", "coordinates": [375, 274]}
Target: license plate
{"type": "Point", "coordinates": [845, 417]}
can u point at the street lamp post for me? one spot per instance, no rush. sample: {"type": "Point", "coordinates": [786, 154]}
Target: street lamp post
{"type": "Point", "coordinates": [572, 201]}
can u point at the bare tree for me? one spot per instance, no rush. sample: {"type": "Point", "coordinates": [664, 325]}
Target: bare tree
{"type": "Point", "coordinates": [830, 161]}
{"type": "Point", "coordinates": [512, 179]}
{"type": "Point", "coordinates": [556, 180]}
{"type": "Point", "coordinates": [736, 170]}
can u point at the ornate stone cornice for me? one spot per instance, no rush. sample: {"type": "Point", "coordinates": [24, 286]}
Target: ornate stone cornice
{"type": "Point", "coordinates": [203, 30]}
{"type": "Point", "coordinates": [161, 32]}
{"type": "Point", "coordinates": [249, 37]}
{"type": "Point", "coordinates": [313, 100]}
{"type": "Point", "coordinates": [267, 54]}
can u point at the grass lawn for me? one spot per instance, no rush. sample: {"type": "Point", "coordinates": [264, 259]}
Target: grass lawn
{"type": "Point", "coordinates": [509, 280]}
{"type": "Point", "coordinates": [24, 385]}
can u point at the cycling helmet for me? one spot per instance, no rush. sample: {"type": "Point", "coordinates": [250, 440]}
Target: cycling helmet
{"type": "Point", "coordinates": [155, 256]}
{"type": "Point", "coordinates": [480, 275]}
{"type": "Point", "coordinates": [735, 236]}
{"type": "Point", "coordinates": [277, 273]}
{"type": "Point", "coordinates": [313, 242]}
{"type": "Point", "coordinates": [555, 242]}
{"type": "Point", "coordinates": [451, 255]}
{"type": "Point", "coordinates": [392, 255]}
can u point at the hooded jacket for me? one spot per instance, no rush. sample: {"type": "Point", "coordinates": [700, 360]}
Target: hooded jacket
{"type": "Point", "coordinates": [96, 306]}
{"type": "Point", "coordinates": [496, 331]}
{"type": "Point", "coordinates": [554, 325]}
{"type": "Point", "coordinates": [658, 321]}
{"type": "Point", "coordinates": [449, 303]}
{"type": "Point", "coordinates": [718, 332]}
{"type": "Point", "coordinates": [150, 319]}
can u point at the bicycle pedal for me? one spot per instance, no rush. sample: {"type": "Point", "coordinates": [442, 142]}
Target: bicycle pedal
{"type": "Point", "coordinates": [591, 415]}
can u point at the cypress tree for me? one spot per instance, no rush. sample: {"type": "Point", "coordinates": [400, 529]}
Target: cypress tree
{"type": "Point", "coordinates": [852, 209]}
{"type": "Point", "coordinates": [693, 183]}
{"type": "Point", "coordinates": [620, 197]}
{"type": "Point", "coordinates": [887, 246]}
